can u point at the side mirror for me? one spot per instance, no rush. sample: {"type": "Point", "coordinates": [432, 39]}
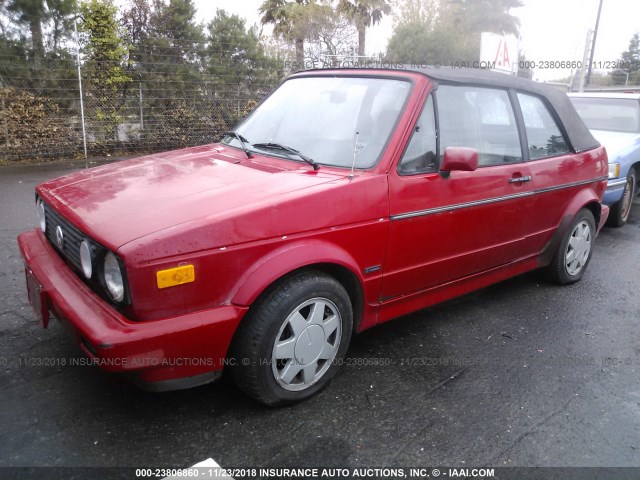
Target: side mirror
{"type": "Point", "coordinates": [460, 159]}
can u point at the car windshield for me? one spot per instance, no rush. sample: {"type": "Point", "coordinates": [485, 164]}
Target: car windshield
{"type": "Point", "coordinates": [327, 119]}
{"type": "Point", "coordinates": [613, 114]}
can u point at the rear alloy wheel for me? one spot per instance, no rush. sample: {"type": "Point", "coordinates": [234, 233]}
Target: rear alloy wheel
{"type": "Point", "coordinates": [291, 342]}
{"type": "Point", "coordinates": [574, 253]}
{"type": "Point", "coordinates": [620, 210]}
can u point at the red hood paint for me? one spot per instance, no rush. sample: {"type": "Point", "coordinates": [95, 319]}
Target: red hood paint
{"type": "Point", "coordinates": [124, 201]}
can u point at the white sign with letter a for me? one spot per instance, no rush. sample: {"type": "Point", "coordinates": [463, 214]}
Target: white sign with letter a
{"type": "Point", "coordinates": [499, 52]}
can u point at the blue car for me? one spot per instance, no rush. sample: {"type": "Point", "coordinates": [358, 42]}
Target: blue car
{"type": "Point", "coordinates": [614, 119]}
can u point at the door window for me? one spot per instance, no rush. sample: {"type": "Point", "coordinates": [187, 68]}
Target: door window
{"type": "Point", "coordinates": [480, 118]}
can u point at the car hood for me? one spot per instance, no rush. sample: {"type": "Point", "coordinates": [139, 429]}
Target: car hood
{"type": "Point", "coordinates": [617, 143]}
{"type": "Point", "coordinates": [120, 202]}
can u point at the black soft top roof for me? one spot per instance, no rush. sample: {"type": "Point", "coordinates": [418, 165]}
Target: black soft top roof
{"type": "Point", "coordinates": [579, 135]}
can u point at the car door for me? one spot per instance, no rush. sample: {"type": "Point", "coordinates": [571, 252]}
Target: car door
{"type": "Point", "coordinates": [446, 228]}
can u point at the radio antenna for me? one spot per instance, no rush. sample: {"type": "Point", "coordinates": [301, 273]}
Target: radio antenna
{"type": "Point", "coordinates": [353, 163]}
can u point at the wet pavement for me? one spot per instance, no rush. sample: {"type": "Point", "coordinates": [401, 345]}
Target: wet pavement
{"type": "Point", "coordinates": [519, 374]}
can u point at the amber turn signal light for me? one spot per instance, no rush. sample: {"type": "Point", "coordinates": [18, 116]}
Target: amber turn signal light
{"type": "Point", "coordinates": [176, 276]}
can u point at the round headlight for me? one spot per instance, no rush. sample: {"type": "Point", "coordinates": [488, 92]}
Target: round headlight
{"type": "Point", "coordinates": [85, 259]}
{"type": "Point", "coordinates": [113, 277]}
{"type": "Point", "coordinates": [42, 221]}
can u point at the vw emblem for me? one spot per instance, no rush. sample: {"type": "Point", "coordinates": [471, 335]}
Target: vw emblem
{"type": "Point", "coordinates": [59, 237]}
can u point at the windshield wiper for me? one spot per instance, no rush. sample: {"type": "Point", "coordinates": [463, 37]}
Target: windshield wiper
{"type": "Point", "coordinates": [284, 148]}
{"type": "Point", "coordinates": [242, 141]}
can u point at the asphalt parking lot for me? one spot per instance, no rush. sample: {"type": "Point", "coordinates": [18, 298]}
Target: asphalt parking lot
{"type": "Point", "coordinates": [519, 374]}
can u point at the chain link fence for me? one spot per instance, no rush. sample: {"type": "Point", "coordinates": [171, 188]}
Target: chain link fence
{"type": "Point", "coordinates": [45, 114]}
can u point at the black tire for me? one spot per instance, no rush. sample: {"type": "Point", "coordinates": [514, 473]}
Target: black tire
{"type": "Point", "coordinates": [559, 270]}
{"type": "Point", "coordinates": [271, 318]}
{"type": "Point", "coordinates": [619, 213]}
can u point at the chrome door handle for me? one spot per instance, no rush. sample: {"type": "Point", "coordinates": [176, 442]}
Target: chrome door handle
{"type": "Point", "coordinates": [520, 179]}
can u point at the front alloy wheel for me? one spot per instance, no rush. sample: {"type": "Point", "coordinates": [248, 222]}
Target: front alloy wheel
{"type": "Point", "coordinates": [306, 344]}
{"type": "Point", "coordinates": [291, 342]}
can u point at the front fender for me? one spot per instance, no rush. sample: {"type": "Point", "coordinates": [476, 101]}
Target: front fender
{"type": "Point", "coordinates": [285, 260]}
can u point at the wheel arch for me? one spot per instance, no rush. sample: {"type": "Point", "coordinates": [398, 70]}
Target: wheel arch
{"type": "Point", "coordinates": [327, 258]}
{"type": "Point", "coordinates": [596, 209]}
{"type": "Point", "coordinates": [352, 285]}
{"type": "Point", "coordinates": [629, 161]}
{"type": "Point", "coordinates": [585, 199]}
{"type": "Point", "coordinates": [636, 169]}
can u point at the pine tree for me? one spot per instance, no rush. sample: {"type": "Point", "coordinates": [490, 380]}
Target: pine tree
{"type": "Point", "coordinates": [105, 56]}
{"type": "Point", "coordinates": [629, 71]}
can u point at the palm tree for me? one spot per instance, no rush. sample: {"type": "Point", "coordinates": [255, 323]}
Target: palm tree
{"type": "Point", "coordinates": [278, 14]}
{"type": "Point", "coordinates": [364, 13]}
{"type": "Point", "coordinates": [485, 15]}
{"type": "Point", "coordinates": [467, 19]}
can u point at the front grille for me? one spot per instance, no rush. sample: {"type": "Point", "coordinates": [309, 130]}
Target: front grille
{"type": "Point", "coordinates": [70, 253]}
{"type": "Point", "coordinates": [72, 237]}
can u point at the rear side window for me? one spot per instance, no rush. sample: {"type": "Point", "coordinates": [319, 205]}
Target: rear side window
{"type": "Point", "coordinates": [543, 134]}
{"type": "Point", "coordinates": [480, 118]}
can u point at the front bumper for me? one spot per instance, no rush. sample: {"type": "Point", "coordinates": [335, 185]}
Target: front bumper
{"type": "Point", "coordinates": [167, 354]}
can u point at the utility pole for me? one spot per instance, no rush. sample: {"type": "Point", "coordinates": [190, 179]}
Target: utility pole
{"type": "Point", "coordinates": [84, 131]}
{"type": "Point", "coordinates": [585, 59]}
{"type": "Point", "coordinates": [593, 45]}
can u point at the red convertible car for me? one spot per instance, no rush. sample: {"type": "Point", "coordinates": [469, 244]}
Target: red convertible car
{"type": "Point", "coordinates": [346, 199]}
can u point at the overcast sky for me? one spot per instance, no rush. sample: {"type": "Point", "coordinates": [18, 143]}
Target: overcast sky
{"type": "Point", "coordinates": [550, 29]}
